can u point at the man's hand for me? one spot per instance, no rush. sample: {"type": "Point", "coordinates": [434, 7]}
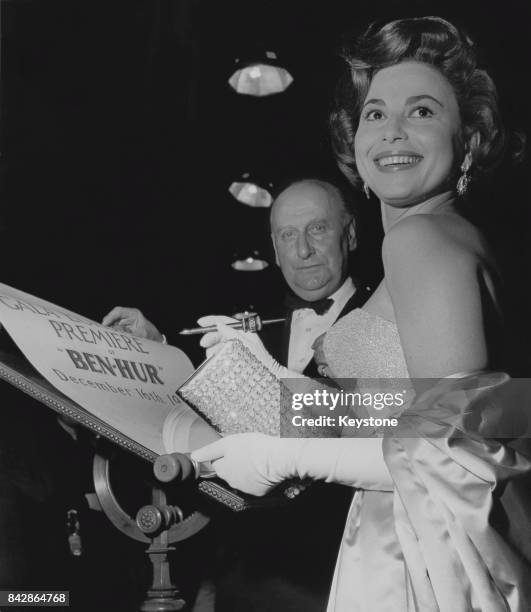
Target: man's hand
{"type": "Point", "coordinates": [132, 320]}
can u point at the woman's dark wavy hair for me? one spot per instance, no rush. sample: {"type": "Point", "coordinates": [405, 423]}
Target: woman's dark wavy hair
{"type": "Point", "coordinates": [434, 41]}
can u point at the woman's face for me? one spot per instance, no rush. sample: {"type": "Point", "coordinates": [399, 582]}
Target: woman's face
{"type": "Point", "coordinates": [408, 137]}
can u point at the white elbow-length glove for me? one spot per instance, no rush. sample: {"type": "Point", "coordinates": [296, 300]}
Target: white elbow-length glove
{"type": "Point", "coordinates": [254, 462]}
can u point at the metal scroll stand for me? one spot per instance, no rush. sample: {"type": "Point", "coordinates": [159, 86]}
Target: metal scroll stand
{"type": "Point", "coordinates": [158, 524]}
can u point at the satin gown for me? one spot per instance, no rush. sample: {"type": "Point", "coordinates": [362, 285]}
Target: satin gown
{"type": "Point", "coordinates": [432, 544]}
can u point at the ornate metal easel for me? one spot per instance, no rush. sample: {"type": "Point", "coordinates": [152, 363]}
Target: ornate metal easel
{"type": "Point", "coordinates": [159, 524]}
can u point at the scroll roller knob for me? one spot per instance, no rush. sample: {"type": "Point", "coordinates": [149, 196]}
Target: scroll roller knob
{"type": "Point", "coordinates": [174, 467]}
{"type": "Point", "coordinates": [153, 519]}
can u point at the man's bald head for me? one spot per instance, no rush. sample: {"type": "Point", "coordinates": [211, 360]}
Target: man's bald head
{"type": "Point", "coordinates": [332, 192]}
{"type": "Point", "coordinates": [312, 231]}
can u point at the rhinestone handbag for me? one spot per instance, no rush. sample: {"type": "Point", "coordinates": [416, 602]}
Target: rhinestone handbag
{"type": "Point", "coordinates": [236, 393]}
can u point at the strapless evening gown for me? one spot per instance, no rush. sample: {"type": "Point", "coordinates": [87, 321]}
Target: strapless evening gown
{"type": "Point", "coordinates": [427, 545]}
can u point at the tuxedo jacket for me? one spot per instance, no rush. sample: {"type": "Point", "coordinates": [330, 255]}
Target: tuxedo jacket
{"type": "Point", "coordinates": [276, 338]}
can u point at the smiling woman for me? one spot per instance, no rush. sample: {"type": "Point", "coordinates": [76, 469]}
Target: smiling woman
{"type": "Point", "coordinates": [451, 57]}
{"type": "Point", "coordinates": [406, 145]}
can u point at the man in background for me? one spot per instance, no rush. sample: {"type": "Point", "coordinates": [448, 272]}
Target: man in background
{"type": "Point", "coordinates": [313, 229]}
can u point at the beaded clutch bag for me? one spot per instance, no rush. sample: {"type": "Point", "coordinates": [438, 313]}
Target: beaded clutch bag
{"type": "Point", "coordinates": [236, 393]}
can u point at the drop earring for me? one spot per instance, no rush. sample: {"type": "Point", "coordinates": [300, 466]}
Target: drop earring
{"type": "Point", "coordinates": [464, 179]}
{"type": "Point", "coordinates": [366, 190]}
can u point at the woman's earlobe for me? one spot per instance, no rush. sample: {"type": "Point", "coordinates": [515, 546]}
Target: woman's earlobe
{"type": "Point", "coordinates": [464, 179]}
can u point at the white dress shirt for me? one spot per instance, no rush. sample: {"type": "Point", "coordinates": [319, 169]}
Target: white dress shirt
{"type": "Point", "coordinates": [307, 326]}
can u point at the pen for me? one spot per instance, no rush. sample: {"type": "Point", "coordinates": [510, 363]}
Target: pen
{"type": "Point", "coordinates": [235, 325]}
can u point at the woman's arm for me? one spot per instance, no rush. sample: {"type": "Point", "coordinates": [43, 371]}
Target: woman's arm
{"type": "Point", "coordinates": [434, 287]}
{"type": "Point", "coordinates": [254, 463]}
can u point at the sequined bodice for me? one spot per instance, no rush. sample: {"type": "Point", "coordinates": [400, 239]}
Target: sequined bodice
{"type": "Point", "coordinates": [363, 345]}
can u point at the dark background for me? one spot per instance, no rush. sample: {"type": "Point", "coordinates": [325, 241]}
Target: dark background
{"type": "Point", "coordinates": [121, 135]}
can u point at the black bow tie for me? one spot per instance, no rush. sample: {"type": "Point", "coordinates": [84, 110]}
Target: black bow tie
{"type": "Point", "coordinates": [322, 306]}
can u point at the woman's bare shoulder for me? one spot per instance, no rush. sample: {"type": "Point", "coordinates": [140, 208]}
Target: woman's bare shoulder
{"type": "Point", "coordinates": [432, 273]}
{"type": "Point", "coordinates": [444, 239]}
